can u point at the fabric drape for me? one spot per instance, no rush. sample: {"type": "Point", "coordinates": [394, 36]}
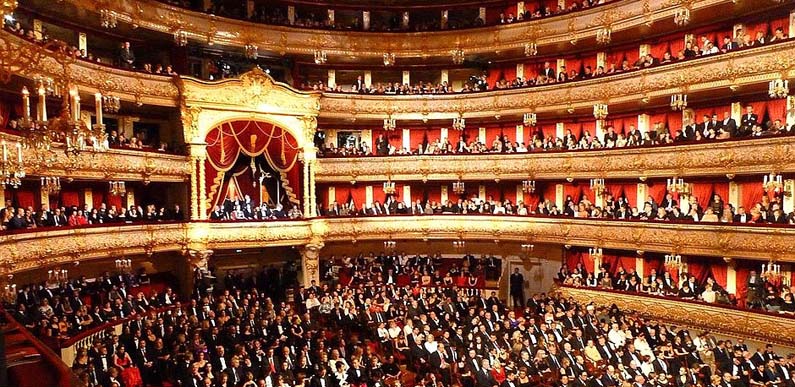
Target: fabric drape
{"type": "Point", "coordinates": [226, 142]}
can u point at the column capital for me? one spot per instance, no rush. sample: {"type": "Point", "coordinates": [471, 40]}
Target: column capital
{"type": "Point", "coordinates": [310, 262]}
{"type": "Point", "coordinates": [199, 258]}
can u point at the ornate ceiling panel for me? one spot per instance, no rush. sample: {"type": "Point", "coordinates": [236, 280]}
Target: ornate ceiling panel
{"type": "Point", "coordinates": [206, 28]}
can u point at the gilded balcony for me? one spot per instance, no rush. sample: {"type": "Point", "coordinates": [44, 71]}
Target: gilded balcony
{"type": "Point", "coordinates": [26, 251]}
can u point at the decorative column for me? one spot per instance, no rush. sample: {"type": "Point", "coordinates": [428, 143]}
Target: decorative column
{"type": "Point", "coordinates": [310, 263]}
{"type": "Point", "coordinates": [307, 202]}
{"type": "Point", "coordinates": [332, 79]}
{"type": "Point", "coordinates": [198, 262]}
{"type": "Point", "coordinates": [366, 20]}
{"type": "Point", "coordinates": [194, 190]}
{"type": "Point", "coordinates": [445, 76]}
{"type": "Point", "coordinates": [641, 196]}
{"type": "Point", "coordinates": [368, 78]}
{"type": "Point", "coordinates": [312, 195]}
{"type": "Point", "coordinates": [202, 190]}
{"type": "Point", "coordinates": [559, 197]}
{"type": "Point", "coordinates": [291, 14]}
{"type": "Point", "coordinates": [445, 15]}
{"type": "Point", "coordinates": [731, 275]}
{"type": "Point", "coordinates": [406, 77]}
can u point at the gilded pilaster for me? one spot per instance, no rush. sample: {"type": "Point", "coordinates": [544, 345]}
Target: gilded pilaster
{"type": "Point", "coordinates": [312, 194]}
{"type": "Point", "coordinates": [307, 203]}
{"type": "Point", "coordinates": [202, 190]}
{"type": "Point", "coordinates": [194, 191]}
{"type": "Point", "coordinates": [310, 263]}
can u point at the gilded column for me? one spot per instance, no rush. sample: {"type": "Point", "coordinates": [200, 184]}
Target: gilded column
{"type": "Point", "coordinates": [202, 199]}
{"type": "Point", "coordinates": [194, 191]}
{"type": "Point", "coordinates": [307, 202]}
{"type": "Point", "coordinates": [310, 263]}
{"type": "Point", "coordinates": [312, 194]}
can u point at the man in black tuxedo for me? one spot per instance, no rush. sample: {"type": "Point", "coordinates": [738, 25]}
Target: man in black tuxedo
{"type": "Point", "coordinates": [126, 56]}
{"type": "Point", "coordinates": [748, 120]}
{"type": "Point", "coordinates": [517, 288]}
{"type": "Point", "coordinates": [357, 376]}
{"type": "Point", "coordinates": [483, 377]}
{"type": "Point", "coordinates": [548, 71]}
{"type": "Point", "coordinates": [321, 379]}
{"type": "Point", "coordinates": [610, 136]}
{"type": "Point", "coordinates": [382, 145]}
{"type": "Point", "coordinates": [729, 44]}
{"type": "Point", "coordinates": [728, 125]}
{"type": "Point", "coordinates": [359, 86]}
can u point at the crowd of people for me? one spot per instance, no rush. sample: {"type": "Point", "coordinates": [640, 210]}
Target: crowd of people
{"type": "Point", "coordinates": [700, 129]}
{"type": "Point", "coordinates": [15, 218]}
{"type": "Point", "coordinates": [548, 73]}
{"type": "Point", "coordinates": [387, 335]}
{"type": "Point", "coordinates": [244, 208]}
{"type": "Point", "coordinates": [379, 21]}
{"type": "Point", "coordinates": [765, 211]}
{"type": "Point", "coordinates": [419, 271]}
{"type": "Point", "coordinates": [56, 311]}
{"type": "Point", "coordinates": [762, 293]}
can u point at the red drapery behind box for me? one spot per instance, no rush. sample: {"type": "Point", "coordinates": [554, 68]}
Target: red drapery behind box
{"type": "Point", "coordinates": [226, 142]}
{"type": "Point", "coordinates": [777, 109]}
{"type": "Point", "coordinates": [751, 192]}
{"type": "Point", "coordinates": [702, 192]}
{"type": "Point", "coordinates": [719, 271]}
{"type": "Point", "coordinates": [652, 264]}
{"type": "Point", "coordinates": [657, 191]}
{"type": "Point", "coordinates": [760, 109]}
{"type": "Point", "coordinates": [628, 263]}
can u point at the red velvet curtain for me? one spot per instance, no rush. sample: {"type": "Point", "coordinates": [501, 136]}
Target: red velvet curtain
{"type": "Point", "coordinates": [657, 190]}
{"type": "Point", "coordinates": [22, 197]}
{"type": "Point", "coordinates": [610, 263]}
{"type": "Point", "coordinates": [722, 189]}
{"type": "Point", "coordinates": [751, 192]}
{"type": "Point", "coordinates": [652, 264]}
{"type": "Point", "coordinates": [227, 141]}
{"type": "Point", "coordinates": [698, 268]}
{"type": "Point", "coordinates": [509, 72]}
{"type": "Point", "coordinates": [719, 272]}
{"type": "Point", "coordinates": [573, 258]}
{"type": "Point", "coordinates": [628, 263]}
{"type": "Point", "coordinates": [5, 113]}
{"type": "Point", "coordinates": [702, 192]}
{"type": "Point", "coordinates": [743, 272]}
{"type": "Point", "coordinates": [590, 127]}
{"type": "Point", "coordinates": [777, 110]}
{"type": "Point", "coordinates": [760, 108]}
{"type": "Point", "coordinates": [575, 191]}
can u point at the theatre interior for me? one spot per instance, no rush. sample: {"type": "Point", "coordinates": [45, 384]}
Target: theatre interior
{"type": "Point", "coordinates": [397, 193]}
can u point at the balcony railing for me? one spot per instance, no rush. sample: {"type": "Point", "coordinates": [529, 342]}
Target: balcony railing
{"type": "Point", "coordinates": [717, 158]}
{"type": "Point", "coordinates": [727, 320]}
{"type": "Point", "coordinates": [26, 251]}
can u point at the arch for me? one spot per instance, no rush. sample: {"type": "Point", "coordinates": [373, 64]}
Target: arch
{"type": "Point", "coordinates": [266, 147]}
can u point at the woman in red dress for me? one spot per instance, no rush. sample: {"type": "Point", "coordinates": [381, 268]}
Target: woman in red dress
{"type": "Point", "coordinates": [130, 374]}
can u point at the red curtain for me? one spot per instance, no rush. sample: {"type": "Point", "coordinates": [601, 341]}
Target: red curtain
{"type": "Point", "coordinates": [573, 258]}
{"type": "Point", "coordinates": [777, 110]}
{"type": "Point", "coordinates": [509, 73]}
{"type": "Point", "coordinates": [590, 127]}
{"type": "Point", "coordinates": [721, 189]}
{"type": "Point", "coordinates": [549, 192]}
{"type": "Point", "coordinates": [751, 192]}
{"type": "Point", "coordinates": [227, 141]}
{"type": "Point", "coordinates": [698, 269]}
{"type": "Point", "coordinates": [702, 192]}
{"type": "Point", "coordinates": [5, 112]}
{"type": "Point", "coordinates": [576, 129]}
{"type": "Point", "coordinates": [574, 64]}
{"type": "Point", "coordinates": [657, 190]}
{"type": "Point", "coordinates": [22, 197]}
{"type": "Point", "coordinates": [658, 50]}
{"type": "Point", "coordinates": [69, 198]}
{"type": "Point", "coordinates": [610, 263]}
{"type": "Point", "coordinates": [628, 263]}
{"type": "Point", "coordinates": [719, 272]}
{"type": "Point", "coordinates": [743, 272]}
{"type": "Point", "coordinates": [760, 107]}
{"type": "Point", "coordinates": [652, 264]}
{"type": "Point", "coordinates": [588, 262]}
{"type": "Point", "coordinates": [575, 191]}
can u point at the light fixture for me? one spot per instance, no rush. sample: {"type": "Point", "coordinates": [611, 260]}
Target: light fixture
{"type": "Point", "coordinates": [111, 103]}
{"type": "Point", "coordinates": [528, 186]}
{"type": "Point", "coordinates": [251, 51]}
{"type": "Point", "coordinates": [458, 56]}
{"type": "Point", "coordinates": [50, 185]}
{"type": "Point", "coordinates": [531, 49]}
{"type": "Point", "coordinates": [389, 59]}
{"type": "Point", "coordinates": [595, 252]}
{"type": "Point", "coordinates": [778, 89]}
{"type": "Point", "coordinates": [123, 265]}
{"type": "Point", "coordinates": [458, 187]}
{"type": "Point", "coordinates": [117, 188]}
{"type": "Point", "coordinates": [389, 187]}
{"type": "Point", "coordinates": [771, 272]}
{"type": "Point", "coordinates": [390, 123]}
{"type": "Point", "coordinates": [320, 57]}
{"type": "Point", "coordinates": [527, 247]}
{"type": "Point", "coordinates": [677, 185]}
{"type": "Point", "coordinates": [673, 261]}
{"type": "Point", "coordinates": [181, 37]}
{"type": "Point", "coordinates": [12, 169]}
{"type": "Point", "coordinates": [597, 186]}
{"type": "Point", "coordinates": [682, 16]}
{"type": "Point", "coordinates": [57, 276]}
{"type": "Point", "coordinates": [9, 290]}
{"type": "Point", "coordinates": [459, 123]}
{"type": "Point", "coordinates": [390, 245]}
{"type": "Point", "coordinates": [530, 119]}
{"type": "Point", "coordinates": [459, 244]}
{"type": "Point", "coordinates": [678, 102]}
{"type": "Point", "coordinates": [604, 35]}
{"type": "Point", "coordinates": [108, 18]}
{"type": "Point", "coordinates": [773, 183]}
{"type": "Point", "coordinates": [600, 111]}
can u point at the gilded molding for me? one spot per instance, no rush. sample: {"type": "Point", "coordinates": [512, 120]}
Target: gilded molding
{"type": "Point", "coordinates": [726, 321]}
{"type": "Point", "coordinates": [89, 77]}
{"type": "Point", "coordinates": [570, 28]}
{"type": "Point", "coordinates": [114, 164]}
{"type": "Point", "coordinates": [740, 68]}
{"type": "Point", "coordinates": [714, 159]}
{"type": "Point", "coordinates": [26, 251]}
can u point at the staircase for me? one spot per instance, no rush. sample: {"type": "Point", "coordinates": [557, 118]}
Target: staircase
{"type": "Point", "coordinates": [23, 361]}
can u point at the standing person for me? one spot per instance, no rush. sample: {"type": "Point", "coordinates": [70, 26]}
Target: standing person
{"type": "Point", "coordinates": [517, 288]}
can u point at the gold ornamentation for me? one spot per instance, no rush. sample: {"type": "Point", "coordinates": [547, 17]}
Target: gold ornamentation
{"type": "Point", "coordinates": [730, 322]}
